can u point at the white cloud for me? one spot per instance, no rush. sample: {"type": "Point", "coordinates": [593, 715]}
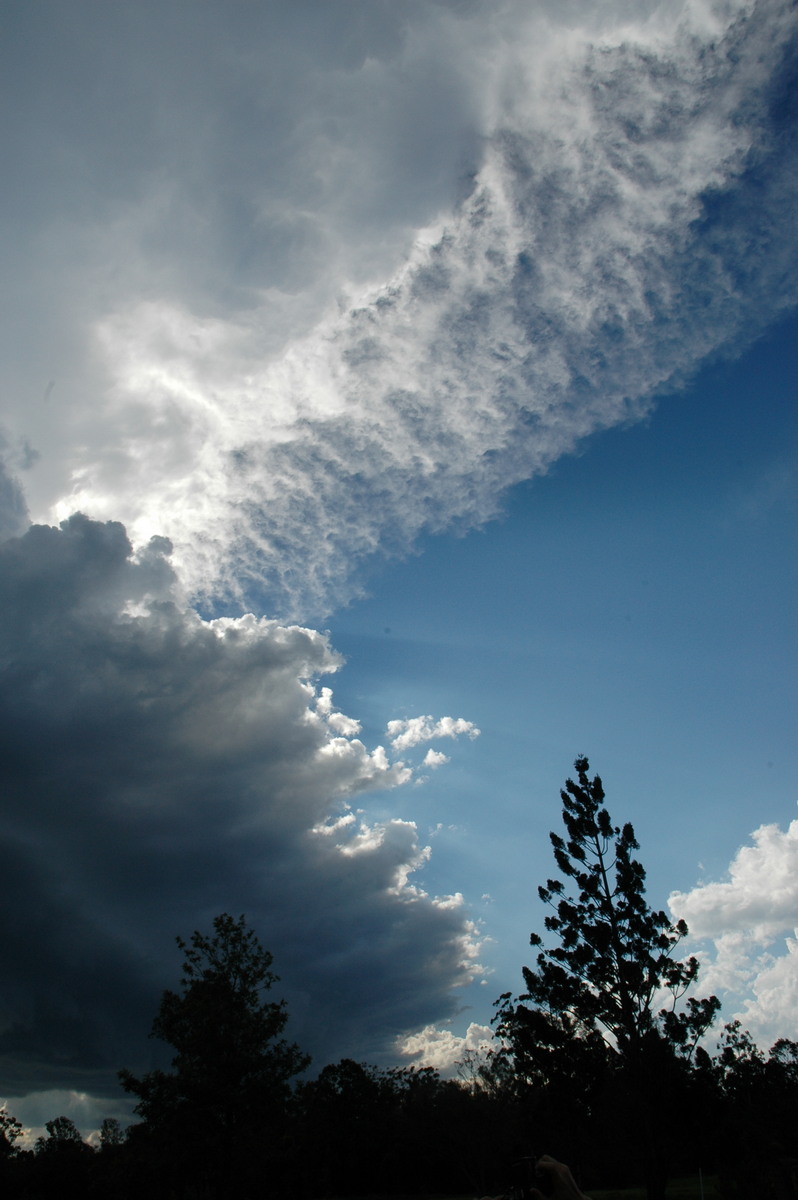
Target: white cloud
{"type": "Point", "coordinates": [439, 1047]}
{"type": "Point", "coordinates": [336, 720]}
{"type": "Point", "coordinates": [750, 920]}
{"type": "Point", "coordinates": [760, 895]}
{"type": "Point", "coordinates": [404, 734]}
{"type": "Point", "coordinates": [280, 440]}
{"type": "Point", "coordinates": [435, 758]}
{"type": "Point", "coordinates": [772, 1011]}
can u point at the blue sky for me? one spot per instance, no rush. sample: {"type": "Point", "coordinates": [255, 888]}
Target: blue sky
{"type": "Point", "coordinates": [397, 402]}
{"type": "Point", "coordinates": [635, 604]}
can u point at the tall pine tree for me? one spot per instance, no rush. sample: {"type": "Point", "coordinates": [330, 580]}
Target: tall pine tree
{"type": "Point", "coordinates": [599, 1016]}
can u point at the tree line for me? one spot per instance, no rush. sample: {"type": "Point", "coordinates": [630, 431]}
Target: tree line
{"type": "Point", "coordinates": [605, 1061]}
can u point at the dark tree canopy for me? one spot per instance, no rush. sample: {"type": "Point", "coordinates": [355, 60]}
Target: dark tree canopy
{"type": "Point", "coordinates": [10, 1131]}
{"type": "Point", "coordinates": [621, 1104]}
{"type": "Point", "coordinates": [61, 1132]}
{"type": "Point", "coordinates": [231, 1070]}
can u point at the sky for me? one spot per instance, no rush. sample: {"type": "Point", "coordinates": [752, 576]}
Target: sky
{"type": "Point", "coordinates": [397, 401]}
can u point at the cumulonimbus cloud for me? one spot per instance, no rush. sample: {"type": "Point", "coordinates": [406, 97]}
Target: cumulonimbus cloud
{"type": "Point", "coordinates": [160, 768]}
{"type": "Point", "coordinates": [605, 249]}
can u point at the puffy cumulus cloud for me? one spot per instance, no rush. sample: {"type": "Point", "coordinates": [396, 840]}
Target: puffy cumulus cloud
{"type": "Point", "coordinates": [158, 769]}
{"type": "Point", "coordinates": [435, 758]}
{"type": "Point", "coordinates": [617, 166]}
{"type": "Point", "coordinates": [411, 732]}
{"type": "Point", "coordinates": [750, 923]}
{"type": "Point", "coordinates": [761, 893]}
{"type": "Point", "coordinates": [770, 1013]}
{"type": "Point", "coordinates": [448, 1052]}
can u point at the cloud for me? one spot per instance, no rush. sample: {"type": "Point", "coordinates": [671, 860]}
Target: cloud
{"type": "Point", "coordinates": [13, 509]}
{"type": "Point", "coordinates": [603, 250]}
{"type": "Point", "coordinates": [751, 923]}
{"type": "Point", "coordinates": [86, 1111]}
{"type": "Point", "coordinates": [406, 733]}
{"type": "Point", "coordinates": [438, 1047]}
{"type": "Point", "coordinates": [237, 166]}
{"type": "Point", "coordinates": [292, 286]}
{"type": "Point", "coordinates": [434, 758]}
{"type": "Point", "coordinates": [761, 893]}
{"type": "Point", "coordinates": [160, 768]}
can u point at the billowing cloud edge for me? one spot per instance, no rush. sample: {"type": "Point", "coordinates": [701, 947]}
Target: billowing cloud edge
{"type": "Point", "coordinates": [745, 930]}
{"type": "Point", "coordinates": [162, 767]}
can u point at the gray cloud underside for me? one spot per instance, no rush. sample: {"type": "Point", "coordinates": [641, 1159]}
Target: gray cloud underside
{"type": "Point", "coordinates": [632, 215]}
{"type": "Point", "coordinates": [158, 770]}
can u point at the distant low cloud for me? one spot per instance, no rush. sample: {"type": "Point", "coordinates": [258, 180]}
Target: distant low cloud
{"type": "Point", "coordinates": [159, 769]}
{"type": "Point", "coordinates": [439, 1047]}
{"type": "Point", "coordinates": [750, 921]}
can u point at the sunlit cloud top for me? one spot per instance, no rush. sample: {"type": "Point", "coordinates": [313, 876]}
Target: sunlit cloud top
{"type": "Point", "coordinates": [596, 259]}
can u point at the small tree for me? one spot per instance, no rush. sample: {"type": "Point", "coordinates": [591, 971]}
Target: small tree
{"type": "Point", "coordinates": [591, 1008]}
{"type": "Point", "coordinates": [112, 1134]}
{"type": "Point", "coordinates": [61, 1132]}
{"type": "Point", "coordinates": [62, 1164]}
{"type": "Point", "coordinates": [11, 1131]}
{"type": "Point", "coordinates": [226, 1094]}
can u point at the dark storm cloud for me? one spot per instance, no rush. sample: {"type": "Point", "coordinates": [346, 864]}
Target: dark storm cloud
{"type": "Point", "coordinates": [157, 770]}
{"type": "Point", "coordinates": [13, 509]}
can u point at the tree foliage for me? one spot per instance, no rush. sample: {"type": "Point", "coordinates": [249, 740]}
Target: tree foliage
{"type": "Point", "coordinates": [599, 1023]}
{"type": "Point", "coordinates": [230, 1074]}
{"type": "Point", "coordinates": [564, 1083]}
{"type": "Point", "coordinates": [61, 1132]}
{"type": "Point", "coordinates": [614, 955]}
{"type": "Point", "coordinates": [10, 1131]}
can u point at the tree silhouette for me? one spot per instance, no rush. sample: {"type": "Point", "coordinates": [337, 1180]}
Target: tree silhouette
{"type": "Point", "coordinates": [63, 1161]}
{"type": "Point", "coordinates": [60, 1131]}
{"type": "Point", "coordinates": [756, 1134]}
{"type": "Point", "coordinates": [10, 1131]}
{"type": "Point", "coordinates": [591, 1022]}
{"type": "Point", "coordinates": [223, 1103]}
